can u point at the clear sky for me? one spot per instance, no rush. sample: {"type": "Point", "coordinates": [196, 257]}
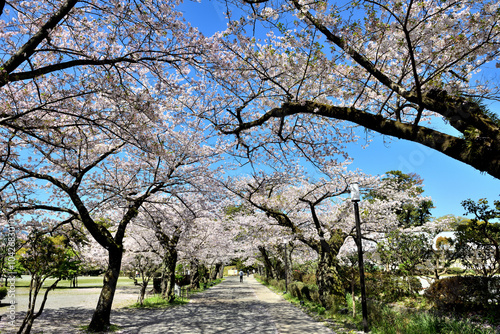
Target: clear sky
{"type": "Point", "coordinates": [446, 181]}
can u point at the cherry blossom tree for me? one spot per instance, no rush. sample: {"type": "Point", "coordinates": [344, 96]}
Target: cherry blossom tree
{"type": "Point", "coordinates": [167, 224]}
{"type": "Point", "coordinates": [143, 265]}
{"type": "Point", "coordinates": [317, 214]}
{"type": "Point", "coordinates": [393, 67]}
{"type": "Point", "coordinates": [102, 180]}
{"type": "Point", "coordinates": [258, 238]}
{"type": "Point", "coordinates": [86, 134]}
{"type": "Point", "coordinates": [211, 242]}
{"type": "Point", "coordinates": [51, 52]}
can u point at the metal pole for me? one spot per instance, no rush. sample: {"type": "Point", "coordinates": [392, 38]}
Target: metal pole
{"type": "Point", "coordinates": [361, 267]}
{"type": "Point", "coordinates": [286, 271]}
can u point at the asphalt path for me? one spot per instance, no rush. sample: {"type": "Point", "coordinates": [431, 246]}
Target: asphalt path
{"type": "Point", "coordinates": [229, 307]}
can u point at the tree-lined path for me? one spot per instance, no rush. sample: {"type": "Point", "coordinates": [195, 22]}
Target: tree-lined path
{"type": "Point", "coordinates": [230, 307]}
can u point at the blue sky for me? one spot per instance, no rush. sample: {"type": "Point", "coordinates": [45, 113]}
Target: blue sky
{"type": "Point", "coordinates": [446, 180]}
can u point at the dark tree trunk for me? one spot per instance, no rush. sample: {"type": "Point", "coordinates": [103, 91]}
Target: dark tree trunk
{"type": "Point", "coordinates": [327, 274]}
{"type": "Point", "coordinates": [168, 274]}
{"type": "Point", "coordinates": [267, 262]}
{"type": "Point", "coordinates": [195, 275]}
{"type": "Point", "coordinates": [215, 271]}
{"type": "Point", "coordinates": [328, 278]}
{"type": "Point", "coordinates": [101, 319]}
{"type": "Point", "coordinates": [221, 271]}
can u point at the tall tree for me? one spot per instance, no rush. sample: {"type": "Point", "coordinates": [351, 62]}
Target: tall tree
{"type": "Point", "coordinates": [389, 66]}
{"type": "Point", "coordinates": [92, 173]}
{"type": "Point", "coordinates": [317, 215]}
{"type": "Point", "coordinates": [409, 214]}
{"type": "Point", "coordinates": [478, 239]}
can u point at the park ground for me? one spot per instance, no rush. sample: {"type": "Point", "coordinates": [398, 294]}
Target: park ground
{"type": "Point", "coordinates": [229, 307]}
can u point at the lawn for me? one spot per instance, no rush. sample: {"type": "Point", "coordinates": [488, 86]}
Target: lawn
{"type": "Point", "coordinates": [83, 282]}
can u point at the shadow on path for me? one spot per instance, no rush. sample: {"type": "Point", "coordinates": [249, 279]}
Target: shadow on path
{"type": "Point", "coordinates": [230, 307]}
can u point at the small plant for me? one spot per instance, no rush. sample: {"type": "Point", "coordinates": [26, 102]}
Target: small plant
{"type": "Point", "coordinates": [389, 321]}
{"type": "Point", "coordinates": [157, 301]}
{"type": "Point", "coordinates": [3, 292]}
{"type": "Point", "coordinates": [112, 328]}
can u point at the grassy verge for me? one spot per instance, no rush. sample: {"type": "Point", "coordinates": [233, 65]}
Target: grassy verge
{"type": "Point", "coordinates": [156, 301]}
{"type": "Point", "coordinates": [111, 329]}
{"type": "Point", "coordinates": [384, 319]}
{"type": "Point", "coordinates": [83, 282]}
{"type": "Point", "coordinates": [391, 322]}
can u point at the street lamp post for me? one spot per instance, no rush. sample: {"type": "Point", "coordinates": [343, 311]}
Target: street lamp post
{"type": "Point", "coordinates": [286, 270]}
{"type": "Point", "coordinates": [355, 198]}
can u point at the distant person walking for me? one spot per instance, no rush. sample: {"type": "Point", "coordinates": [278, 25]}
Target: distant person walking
{"type": "Point", "coordinates": [241, 275]}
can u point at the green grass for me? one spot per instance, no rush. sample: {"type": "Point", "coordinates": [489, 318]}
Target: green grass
{"type": "Point", "coordinates": [112, 328]}
{"type": "Point", "coordinates": [392, 322]}
{"type": "Point", "coordinates": [83, 282]}
{"type": "Point", "coordinates": [386, 320]}
{"type": "Point", "coordinates": [157, 301]}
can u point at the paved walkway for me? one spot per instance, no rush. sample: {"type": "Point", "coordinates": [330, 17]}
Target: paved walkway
{"type": "Point", "coordinates": [230, 307]}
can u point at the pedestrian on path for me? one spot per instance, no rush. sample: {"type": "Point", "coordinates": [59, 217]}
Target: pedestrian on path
{"type": "Point", "coordinates": [241, 275]}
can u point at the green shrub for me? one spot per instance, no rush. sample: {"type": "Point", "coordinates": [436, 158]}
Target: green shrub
{"type": "Point", "coordinates": [335, 302]}
{"type": "Point", "coordinates": [455, 271]}
{"type": "Point", "coordinates": [281, 285]}
{"type": "Point", "coordinates": [295, 289]}
{"type": "Point", "coordinates": [464, 292]}
{"type": "Point", "coordinates": [389, 288]}
{"type": "Point", "coordinates": [388, 321]}
{"type": "Point", "coordinates": [309, 279]}
{"type": "Point", "coordinates": [306, 292]}
{"type": "Point", "coordinates": [3, 292]}
{"type": "Point", "coordinates": [314, 294]}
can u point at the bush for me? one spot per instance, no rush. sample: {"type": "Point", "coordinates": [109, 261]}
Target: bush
{"type": "Point", "coordinates": [314, 294]}
{"type": "Point", "coordinates": [280, 284]}
{"type": "Point", "coordinates": [464, 292]}
{"type": "Point", "coordinates": [389, 288]}
{"type": "Point", "coordinates": [305, 292]}
{"type": "Point", "coordinates": [309, 279]}
{"type": "Point", "coordinates": [295, 289]}
{"type": "Point", "coordinates": [3, 292]}
{"type": "Point", "coordinates": [389, 321]}
{"type": "Point", "coordinates": [455, 271]}
{"type": "Point", "coordinates": [335, 302]}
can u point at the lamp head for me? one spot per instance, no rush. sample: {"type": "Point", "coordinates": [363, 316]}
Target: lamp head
{"type": "Point", "coordinates": [354, 189]}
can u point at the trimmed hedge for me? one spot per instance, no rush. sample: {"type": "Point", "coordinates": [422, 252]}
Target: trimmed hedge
{"type": "Point", "coordinates": [464, 292]}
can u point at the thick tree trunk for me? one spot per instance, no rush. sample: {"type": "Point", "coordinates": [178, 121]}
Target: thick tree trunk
{"type": "Point", "coordinates": [101, 319]}
{"type": "Point", "coordinates": [216, 271]}
{"type": "Point", "coordinates": [267, 263]}
{"type": "Point", "coordinates": [327, 274]}
{"type": "Point", "coordinates": [328, 278]}
{"type": "Point", "coordinates": [221, 271]}
{"type": "Point", "coordinates": [195, 275]}
{"type": "Point", "coordinates": [168, 274]}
